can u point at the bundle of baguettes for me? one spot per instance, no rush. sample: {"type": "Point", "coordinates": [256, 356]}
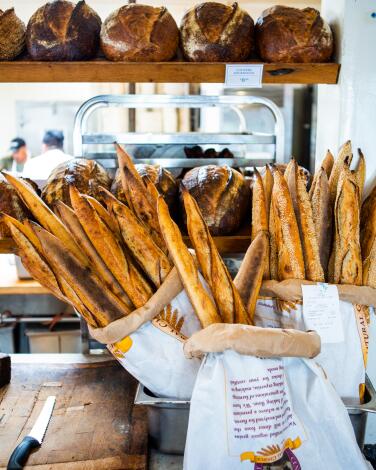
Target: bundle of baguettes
{"type": "Point", "coordinates": [321, 234]}
{"type": "Point", "coordinates": [107, 259]}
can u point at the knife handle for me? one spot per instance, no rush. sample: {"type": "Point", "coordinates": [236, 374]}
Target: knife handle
{"type": "Point", "coordinates": [21, 453]}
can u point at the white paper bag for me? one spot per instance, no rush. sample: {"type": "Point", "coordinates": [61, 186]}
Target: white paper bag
{"type": "Point", "coordinates": [280, 413]}
{"type": "Point", "coordinates": [154, 353]}
{"type": "Point", "coordinates": [344, 362]}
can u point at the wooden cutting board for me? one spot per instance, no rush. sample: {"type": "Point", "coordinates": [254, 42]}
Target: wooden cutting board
{"type": "Point", "coordinates": [94, 424]}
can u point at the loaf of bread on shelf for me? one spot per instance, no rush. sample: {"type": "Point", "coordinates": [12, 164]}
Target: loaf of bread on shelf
{"type": "Point", "coordinates": [85, 175]}
{"type": "Point", "coordinates": [213, 32]}
{"type": "Point", "coordinates": [163, 179]}
{"type": "Point", "coordinates": [287, 34]}
{"type": "Point", "coordinates": [12, 35]}
{"type": "Point", "coordinates": [222, 194]}
{"type": "Point", "coordinates": [62, 30]}
{"type": "Point", "coordinates": [139, 33]}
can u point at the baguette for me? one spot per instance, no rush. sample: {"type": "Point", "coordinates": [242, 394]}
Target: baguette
{"type": "Point", "coordinates": [267, 180]}
{"type": "Point", "coordinates": [226, 297]}
{"type": "Point", "coordinates": [103, 214]}
{"type": "Point", "coordinates": [109, 249]}
{"type": "Point", "coordinates": [369, 267]}
{"type": "Point", "coordinates": [25, 228]}
{"type": "Point", "coordinates": [142, 201]}
{"type": "Point", "coordinates": [149, 256]}
{"type": "Point", "coordinates": [249, 277]}
{"type": "Point", "coordinates": [260, 213]}
{"type": "Point", "coordinates": [368, 224]}
{"type": "Point", "coordinates": [347, 252]}
{"type": "Point", "coordinates": [344, 158]}
{"type": "Point", "coordinates": [71, 221]}
{"type": "Point", "coordinates": [361, 172]}
{"type": "Point", "coordinates": [322, 216]}
{"type": "Point", "coordinates": [273, 257]}
{"type": "Point", "coordinates": [43, 214]}
{"type": "Point", "coordinates": [103, 305]}
{"type": "Point", "coordinates": [290, 263]}
{"type": "Point", "coordinates": [327, 165]}
{"type": "Point", "coordinates": [304, 217]}
{"type": "Point", "coordinates": [184, 263]}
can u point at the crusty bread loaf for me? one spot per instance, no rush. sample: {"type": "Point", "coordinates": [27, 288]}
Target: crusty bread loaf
{"type": "Point", "coordinates": [222, 194]}
{"type": "Point", "coordinates": [260, 214]}
{"type": "Point", "coordinates": [290, 262]}
{"type": "Point", "coordinates": [267, 180]}
{"type": "Point", "coordinates": [226, 296]}
{"type": "Point", "coordinates": [304, 217]}
{"type": "Point", "coordinates": [327, 165]}
{"type": "Point", "coordinates": [369, 267]}
{"type": "Point", "coordinates": [322, 215]}
{"type": "Point", "coordinates": [139, 33]}
{"type": "Point", "coordinates": [347, 253]}
{"type": "Point", "coordinates": [368, 224]}
{"type": "Point", "coordinates": [286, 34]}
{"type": "Point", "coordinates": [85, 175]}
{"type": "Point", "coordinates": [213, 32]}
{"type": "Point", "coordinates": [163, 179]}
{"type": "Point", "coordinates": [186, 266]}
{"type": "Point", "coordinates": [360, 172]}
{"type": "Point", "coordinates": [62, 30]}
{"type": "Point", "coordinates": [249, 277]}
{"type": "Point", "coordinates": [12, 35]}
{"type": "Point", "coordinates": [344, 158]}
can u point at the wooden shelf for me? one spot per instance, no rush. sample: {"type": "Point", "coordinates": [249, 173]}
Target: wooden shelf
{"type": "Point", "coordinates": [159, 72]}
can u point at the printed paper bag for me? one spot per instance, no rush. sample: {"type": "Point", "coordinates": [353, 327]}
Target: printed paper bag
{"type": "Point", "coordinates": [154, 353]}
{"type": "Point", "coordinates": [148, 342]}
{"type": "Point", "coordinates": [345, 361]}
{"type": "Point", "coordinates": [278, 413]}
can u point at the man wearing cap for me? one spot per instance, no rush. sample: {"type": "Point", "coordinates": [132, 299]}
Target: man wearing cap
{"type": "Point", "coordinates": [40, 167]}
{"type": "Point", "coordinates": [18, 155]}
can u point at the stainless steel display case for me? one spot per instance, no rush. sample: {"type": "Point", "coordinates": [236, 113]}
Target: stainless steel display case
{"type": "Point", "coordinates": [243, 140]}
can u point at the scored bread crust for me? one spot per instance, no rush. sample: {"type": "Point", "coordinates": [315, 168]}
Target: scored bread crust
{"type": "Point", "coordinates": [347, 252]}
{"type": "Point", "coordinates": [304, 217]}
{"type": "Point", "coordinates": [322, 216]}
{"type": "Point", "coordinates": [260, 213]}
{"type": "Point", "coordinates": [184, 263]}
{"type": "Point", "coordinates": [368, 224]}
{"type": "Point", "coordinates": [327, 165]}
{"type": "Point", "coordinates": [344, 158]}
{"type": "Point", "coordinates": [267, 180]}
{"type": "Point", "coordinates": [226, 296]}
{"type": "Point", "coordinates": [290, 262]}
{"type": "Point", "coordinates": [249, 277]}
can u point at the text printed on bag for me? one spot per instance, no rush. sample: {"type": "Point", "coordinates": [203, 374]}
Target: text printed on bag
{"type": "Point", "coordinates": [261, 421]}
{"type": "Point", "coordinates": [321, 312]}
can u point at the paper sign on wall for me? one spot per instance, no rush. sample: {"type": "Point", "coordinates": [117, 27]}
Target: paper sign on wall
{"type": "Point", "coordinates": [321, 312]}
{"type": "Point", "coordinates": [243, 75]}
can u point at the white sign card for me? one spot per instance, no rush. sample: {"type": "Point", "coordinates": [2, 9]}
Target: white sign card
{"type": "Point", "coordinates": [321, 312]}
{"type": "Point", "coordinates": [244, 75]}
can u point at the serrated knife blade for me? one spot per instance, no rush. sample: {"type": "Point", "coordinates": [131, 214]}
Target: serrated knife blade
{"type": "Point", "coordinates": [34, 438]}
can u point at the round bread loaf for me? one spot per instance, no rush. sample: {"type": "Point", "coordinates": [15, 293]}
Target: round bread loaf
{"type": "Point", "coordinates": [162, 178]}
{"type": "Point", "coordinates": [12, 35]}
{"type": "Point", "coordinates": [11, 204]}
{"type": "Point", "coordinates": [285, 34]}
{"type": "Point", "coordinates": [222, 194]}
{"type": "Point", "coordinates": [213, 32]}
{"type": "Point", "coordinates": [139, 33]}
{"type": "Point", "coordinates": [61, 30]}
{"type": "Point", "coordinates": [85, 174]}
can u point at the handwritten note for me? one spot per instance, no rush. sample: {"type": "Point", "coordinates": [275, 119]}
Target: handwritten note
{"type": "Point", "coordinates": [321, 312]}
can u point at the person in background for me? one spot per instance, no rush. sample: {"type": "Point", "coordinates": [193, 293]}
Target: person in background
{"type": "Point", "coordinates": [40, 167]}
{"type": "Point", "coordinates": [18, 155]}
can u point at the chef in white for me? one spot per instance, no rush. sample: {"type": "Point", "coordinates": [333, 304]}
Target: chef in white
{"type": "Point", "coordinates": [40, 167]}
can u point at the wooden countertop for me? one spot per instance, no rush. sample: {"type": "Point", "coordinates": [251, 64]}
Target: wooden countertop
{"type": "Point", "coordinates": [9, 282]}
{"type": "Point", "coordinates": [94, 424]}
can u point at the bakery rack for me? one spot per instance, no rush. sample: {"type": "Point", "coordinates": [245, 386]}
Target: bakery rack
{"type": "Point", "coordinates": [242, 140]}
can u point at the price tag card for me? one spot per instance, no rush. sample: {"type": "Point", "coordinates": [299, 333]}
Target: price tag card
{"type": "Point", "coordinates": [321, 312]}
{"type": "Point", "coordinates": [244, 75]}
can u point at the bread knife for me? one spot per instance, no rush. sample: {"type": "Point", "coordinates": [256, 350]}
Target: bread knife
{"type": "Point", "coordinates": [34, 438]}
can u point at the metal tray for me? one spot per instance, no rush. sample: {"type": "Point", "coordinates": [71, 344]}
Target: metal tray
{"type": "Point", "coordinates": [168, 418]}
